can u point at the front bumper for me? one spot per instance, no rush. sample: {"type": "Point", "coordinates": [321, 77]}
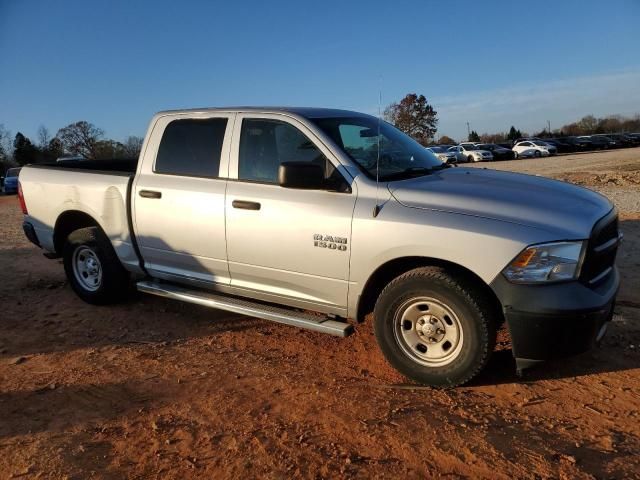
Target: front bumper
{"type": "Point", "coordinates": [557, 320]}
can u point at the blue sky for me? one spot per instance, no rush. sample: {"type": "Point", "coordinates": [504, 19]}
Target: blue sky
{"type": "Point", "coordinates": [492, 63]}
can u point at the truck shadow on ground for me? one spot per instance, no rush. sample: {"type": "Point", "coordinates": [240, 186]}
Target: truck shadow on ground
{"type": "Point", "coordinates": [41, 314]}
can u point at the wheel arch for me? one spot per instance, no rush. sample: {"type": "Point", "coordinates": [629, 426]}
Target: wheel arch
{"type": "Point", "coordinates": [69, 221]}
{"type": "Point", "coordinates": [393, 268]}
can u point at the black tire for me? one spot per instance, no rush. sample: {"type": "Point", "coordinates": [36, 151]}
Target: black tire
{"type": "Point", "coordinates": [114, 282]}
{"type": "Point", "coordinates": [474, 316]}
{"type": "Point", "coordinates": [537, 154]}
{"type": "Point", "coordinates": [470, 159]}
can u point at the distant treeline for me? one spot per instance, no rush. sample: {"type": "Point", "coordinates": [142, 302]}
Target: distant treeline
{"type": "Point", "coordinates": [588, 125]}
{"type": "Point", "coordinates": [85, 139]}
{"type": "Point", "coordinates": [78, 139]}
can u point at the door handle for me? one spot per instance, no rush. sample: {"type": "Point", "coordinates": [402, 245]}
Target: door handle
{"type": "Point", "coordinates": [150, 194]}
{"type": "Point", "coordinates": [245, 205]}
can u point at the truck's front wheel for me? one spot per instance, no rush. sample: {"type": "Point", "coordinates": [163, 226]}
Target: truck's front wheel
{"type": "Point", "coordinates": [434, 327]}
{"type": "Point", "coordinates": [93, 268]}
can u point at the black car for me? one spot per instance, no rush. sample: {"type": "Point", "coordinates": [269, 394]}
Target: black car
{"type": "Point", "coordinates": [622, 141]}
{"type": "Point", "coordinates": [499, 152]}
{"type": "Point", "coordinates": [634, 138]}
{"type": "Point", "coordinates": [561, 147]}
{"type": "Point", "coordinates": [581, 144]}
{"type": "Point", "coordinates": [601, 142]}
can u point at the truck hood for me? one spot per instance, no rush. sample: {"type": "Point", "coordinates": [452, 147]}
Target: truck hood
{"type": "Point", "coordinates": [567, 211]}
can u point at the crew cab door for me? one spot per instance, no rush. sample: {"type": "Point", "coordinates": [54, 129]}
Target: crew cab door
{"type": "Point", "coordinates": [286, 245]}
{"type": "Point", "coordinates": [178, 198]}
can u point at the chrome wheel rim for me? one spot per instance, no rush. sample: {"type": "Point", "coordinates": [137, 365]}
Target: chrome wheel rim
{"type": "Point", "coordinates": [87, 268]}
{"type": "Point", "coordinates": [428, 331]}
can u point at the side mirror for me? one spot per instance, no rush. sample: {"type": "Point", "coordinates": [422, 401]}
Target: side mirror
{"type": "Point", "coordinates": [303, 175]}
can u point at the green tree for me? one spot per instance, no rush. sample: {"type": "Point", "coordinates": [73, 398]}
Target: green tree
{"type": "Point", "coordinates": [473, 136]}
{"type": "Point", "coordinates": [53, 150]}
{"type": "Point", "coordinates": [106, 149]}
{"type": "Point", "coordinates": [414, 116]}
{"type": "Point", "coordinates": [24, 151]}
{"type": "Point", "coordinates": [514, 134]}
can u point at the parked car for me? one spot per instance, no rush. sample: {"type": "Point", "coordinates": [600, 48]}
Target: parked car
{"type": "Point", "coordinates": [468, 152]}
{"type": "Point", "coordinates": [560, 146]}
{"type": "Point", "coordinates": [616, 140]}
{"type": "Point", "coordinates": [11, 180]}
{"type": "Point", "coordinates": [498, 152]}
{"type": "Point", "coordinates": [525, 139]}
{"type": "Point", "coordinates": [549, 146]}
{"type": "Point", "coordinates": [71, 158]}
{"type": "Point", "coordinates": [252, 211]}
{"type": "Point", "coordinates": [631, 139]}
{"type": "Point", "coordinates": [530, 149]}
{"type": "Point", "coordinates": [579, 143]}
{"type": "Point", "coordinates": [599, 142]}
{"type": "Point", "coordinates": [443, 154]}
{"type": "Point", "coordinates": [635, 137]}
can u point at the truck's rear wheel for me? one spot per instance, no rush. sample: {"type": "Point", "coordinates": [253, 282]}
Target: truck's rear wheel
{"type": "Point", "coordinates": [93, 268]}
{"type": "Point", "coordinates": [434, 327]}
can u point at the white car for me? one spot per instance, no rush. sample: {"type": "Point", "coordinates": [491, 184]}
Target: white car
{"type": "Point", "coordinates": [443, 154]}
{"type": "Point", "coordinates": [468, 152]}
{"type": "Point", "coordinates": [532, 148]}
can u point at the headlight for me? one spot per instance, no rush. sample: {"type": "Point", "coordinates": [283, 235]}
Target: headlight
{"type": "Point", "coordinates": [549, 262]}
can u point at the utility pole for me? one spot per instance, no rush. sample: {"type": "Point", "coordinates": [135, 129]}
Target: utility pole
{"type": "Point", "coordinates": [468, 131]}
{"type": "Point", "coordinates": [549, 127]}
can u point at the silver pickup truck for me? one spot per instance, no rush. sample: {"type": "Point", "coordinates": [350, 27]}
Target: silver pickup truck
{"type": "Point", "coordinates": [317, 218]}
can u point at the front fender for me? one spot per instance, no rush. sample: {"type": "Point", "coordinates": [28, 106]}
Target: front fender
{"type": "Point", "coordinates": [483, 246]}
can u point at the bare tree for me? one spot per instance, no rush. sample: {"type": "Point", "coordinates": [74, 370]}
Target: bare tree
{"type": "Point", "coordinates": [446, 140]}
{"type": "Point", "coordinates": [132, 146]}
{"type": "Point", "coordinates": [43, 137]}
{"type": "Point", "coordinates": [493, 137]}
{"type": "Point", "coordinates": [6, 141]}
{"type": "Point", "coordinates": [81, 138]}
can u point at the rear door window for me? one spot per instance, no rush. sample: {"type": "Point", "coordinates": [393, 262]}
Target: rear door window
{"type": "Point", "coordinates": [191, 147]}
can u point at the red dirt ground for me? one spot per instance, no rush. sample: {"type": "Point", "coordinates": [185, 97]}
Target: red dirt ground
{"type": "Point", "coordinates": [158, 389]}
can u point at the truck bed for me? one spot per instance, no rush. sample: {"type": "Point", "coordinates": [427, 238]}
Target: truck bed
{"type": "Point", "coordinates": [99, 189]}
{"type": "Point", "coordinates": [116, 165]}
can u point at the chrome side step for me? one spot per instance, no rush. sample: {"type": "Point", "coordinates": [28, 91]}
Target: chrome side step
{"type": "Point", "coordinates": [247, 307]}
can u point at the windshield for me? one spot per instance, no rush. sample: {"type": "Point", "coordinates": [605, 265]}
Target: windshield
{"type": "Point", "coordinates": [436, 149]}
{"type": "Point", "coordinates": [13, 172]}
{"type": "Point", "coordinates": [400, 155]}
{"type": "Point", "coordinates": [469, 147]}
{"type": "Point", "coordinates": [541, 144]}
